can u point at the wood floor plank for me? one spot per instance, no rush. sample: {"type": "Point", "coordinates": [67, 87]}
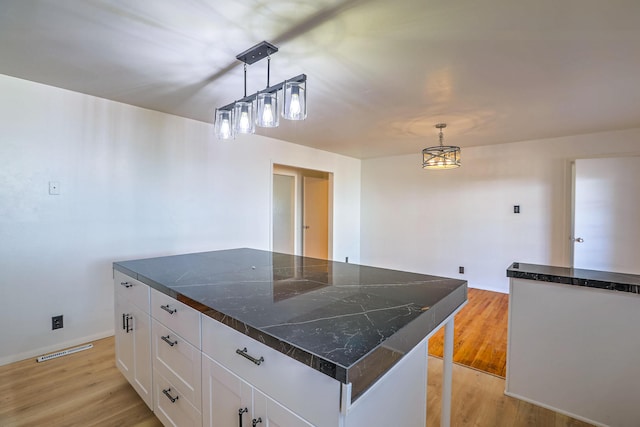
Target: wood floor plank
{"type": "Point", "coordinates": [81, 389]}
{"type": "Point", "coordinates": [479, 333]}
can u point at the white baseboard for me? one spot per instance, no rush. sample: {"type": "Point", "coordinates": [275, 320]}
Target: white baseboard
{"type": "Point", "coordinates": [56, 347]}
{"type": "Point", "coordinates": [560, 411]}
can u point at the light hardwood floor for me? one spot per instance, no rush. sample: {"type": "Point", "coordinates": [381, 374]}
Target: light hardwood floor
{"type": "Point", "coordinates": [81, 389]}
{"type": "Point", "coordinates": [86, 389]}
{"type": "Point", "coordinates": [479, 333]}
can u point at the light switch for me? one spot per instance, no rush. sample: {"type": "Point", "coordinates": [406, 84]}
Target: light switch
{"type": "Point", "coordinates": [54, 188]}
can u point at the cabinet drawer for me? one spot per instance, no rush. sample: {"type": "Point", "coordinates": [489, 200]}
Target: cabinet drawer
{"type": "Point", "coordinates": [178, 361]}
{"type": "Point", "coordinates": [307, 392]}
{"type": "Point", "coordinates": [177, 412]}
{"type": "Point", "coordinates": [131, 290]}
{"type": "Point", "coordinates": [178, 317]}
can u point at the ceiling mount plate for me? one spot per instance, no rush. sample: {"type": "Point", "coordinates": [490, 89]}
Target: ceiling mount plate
{"type": "Point", "coordinates": [257, 52]}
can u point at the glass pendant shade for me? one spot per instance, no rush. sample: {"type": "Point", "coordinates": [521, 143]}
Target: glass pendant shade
{"type": "Point", "coordinates": [267, 111]}
{"type": "Point", "coordinates": [224, 124]}
{"type": "Point", "coordinates": [441, 157]}
{"type": "Point", "coordinates": [243, 117]}
{"type": "Point", "coordinates": [294, 105]}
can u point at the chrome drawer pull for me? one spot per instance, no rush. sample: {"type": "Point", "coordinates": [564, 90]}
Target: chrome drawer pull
{"type": "Point", "coordinates": [171, 398]}
{"type": "Point", "coordinates": [246, 355]}
{"type": "Point", "coordinates": [126, 284]}
{"type": "Point", "coordinates": [168, 341]}
{"type": "Point", "coordinates": [167, 309]}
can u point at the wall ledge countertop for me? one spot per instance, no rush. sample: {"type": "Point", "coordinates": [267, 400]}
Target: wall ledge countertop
{"type": "Point", "coordinates": [619, 282]}
{"type": "Point", "coordinates": [348, 321]}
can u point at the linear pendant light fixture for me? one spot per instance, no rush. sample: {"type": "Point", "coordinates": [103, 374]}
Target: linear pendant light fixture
{"type": "Point", "coordinates": [261, 108]}
{"type": "Point", "coordinates": [441, 156]}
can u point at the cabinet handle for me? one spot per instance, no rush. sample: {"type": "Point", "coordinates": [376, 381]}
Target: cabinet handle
{"type": "Point", "coordinates": [240, 412]}
{"type": "Point", "coordinates": [246, 355]}
{"type": "Point", "coordinates": [126, 284]}
{"type": "Point", "coordinates": [129, 327]}
{"type": "Point", "coordinates": [124, 325]}
{"type": "Point", "coordinates": [167, 309]}
{"type": "Point", "coordinates": [171, 398]}
{"type": "Point", "coordinates": [255, 422]}
{"type": "Point", "coordinates": [168, 341]}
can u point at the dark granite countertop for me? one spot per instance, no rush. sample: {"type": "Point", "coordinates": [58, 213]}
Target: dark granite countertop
{"type": "Point", "coordinates": [620, 282]}
{"type": "Point", "coordinates": [348, 321]}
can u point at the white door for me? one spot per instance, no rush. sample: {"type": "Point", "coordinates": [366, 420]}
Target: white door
{"type": "Point", "coordinates": [284, 213]}
{"type": "Point", "coordinates": [607, 214]}
{"type": "Point", "coordinates": [315, 214]}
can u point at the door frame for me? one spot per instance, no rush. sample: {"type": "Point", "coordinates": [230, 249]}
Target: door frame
{"type": "Point", "coordinates": [298, 173]}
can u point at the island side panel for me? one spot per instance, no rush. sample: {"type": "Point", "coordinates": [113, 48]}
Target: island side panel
{"type": "Point", "coordinates": [575, 350]}
{"type": "Point", "coordinates": [398, 398]}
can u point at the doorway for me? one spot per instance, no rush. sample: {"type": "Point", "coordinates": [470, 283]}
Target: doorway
{"type": "Point", "coordinates": [606, 208]}
{"type": "Point", "coordinates": [301, 211]}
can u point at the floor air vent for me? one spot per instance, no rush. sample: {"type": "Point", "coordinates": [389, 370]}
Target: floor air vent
{"type": "Point", "coordinates": [64, 352]}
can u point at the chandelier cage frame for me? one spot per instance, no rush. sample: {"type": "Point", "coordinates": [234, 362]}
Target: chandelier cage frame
{"type": "Point", "coordinates": [441, 156]}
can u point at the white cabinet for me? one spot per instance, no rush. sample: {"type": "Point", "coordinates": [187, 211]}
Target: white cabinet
{"type": "Point", "coordinates": [133, 334]}
{"type": "Point", "coordinates": [273, 414]}
{"type": "Point", "coordinates": [230, 401]}
{"type": "Point", "coordinates": [171, 405]}
{"type": "Point", "coordinates": [193, 370]}
{"type": "Point", "coordinates": [177, 356]}
{"type": "Point", "coordinates": [311, 394]}
{"type": "Point", "coordinates": [281, 381]}
{"type": "Point", "coordinates": [227, 400]}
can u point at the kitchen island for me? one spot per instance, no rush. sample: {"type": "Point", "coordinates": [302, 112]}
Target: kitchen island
{"type": "Point", "coordinates": [573, 344]}
{"type": "Point", "coordinates": [326, 343]}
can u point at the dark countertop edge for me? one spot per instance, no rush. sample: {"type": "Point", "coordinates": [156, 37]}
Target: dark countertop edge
{"type": "Point", "coordinates": [398, 345]}
{"type": "Point", "coordinates": [618, 282]}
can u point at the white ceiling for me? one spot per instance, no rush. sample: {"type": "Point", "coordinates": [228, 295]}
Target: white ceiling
{"type": "Point", "coordinates": [381, 73]}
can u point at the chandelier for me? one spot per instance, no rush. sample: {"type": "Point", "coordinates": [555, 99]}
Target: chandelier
{"type": "Point", "coordinates": [261, 108]}
{"type": "Point", "coordinates": [441, 156]}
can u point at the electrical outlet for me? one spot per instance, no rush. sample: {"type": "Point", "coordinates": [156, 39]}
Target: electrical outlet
{"type": "Point", "coordinates": [56, 322]}
{"type": "Point", "coordinates": [461, 270]}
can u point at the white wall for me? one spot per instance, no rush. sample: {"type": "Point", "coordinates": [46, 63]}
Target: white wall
{"type": "Point", "coordinates": [434, 221]}
{"type": "Point", "coordinates": [134, 183]}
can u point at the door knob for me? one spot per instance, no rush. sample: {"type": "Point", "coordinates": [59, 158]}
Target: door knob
{"type": "Point", "coordinates": [306, 227]}
{"type": "Point", "coordinates": [578, 240]}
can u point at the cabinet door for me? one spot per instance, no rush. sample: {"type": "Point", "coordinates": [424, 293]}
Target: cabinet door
{"type": "Point", "coordinates": [133, 347]}
{"type": "Point", "coordinates": [226, 399]}
{"type": "Point", "coordinates": [124, 339]}
{"type": "Point", "coordinates": [142, 371]}
{"type": "Point", "coordinates": [271, 414]}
